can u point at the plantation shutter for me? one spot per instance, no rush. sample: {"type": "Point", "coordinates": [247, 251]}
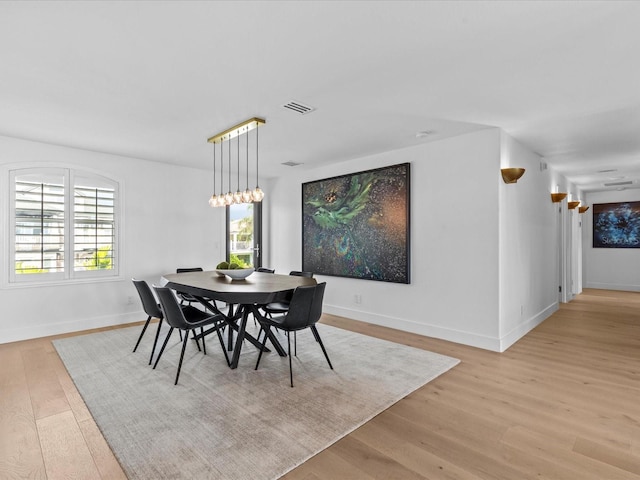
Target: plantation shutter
{"type": "Point", "coordinates": [93, 227]}
{"type": "Point", "coordinates": [39, 224]}
{"type": "Point", "coordinates": [65, 225]}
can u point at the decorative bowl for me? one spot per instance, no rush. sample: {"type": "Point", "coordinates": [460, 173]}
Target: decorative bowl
{"type": "Point", "coordinates": [237, 273]}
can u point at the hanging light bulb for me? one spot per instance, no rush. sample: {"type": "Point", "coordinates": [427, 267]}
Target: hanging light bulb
{"type": "Point", "coordinates": [213, 201]}
{"type": "Point", "coordinates": [257, 195]}
{"type": "Point", "coordinates": [246, 195]}
{"type": "Point", "coordinates": [237, 196]}
{"type": "Point", "coordinates": [228, 197]}
{"type": "Point", "coordinates": [220, 198]}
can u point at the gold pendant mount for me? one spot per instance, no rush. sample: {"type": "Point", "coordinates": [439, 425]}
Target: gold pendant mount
{"type": "Point", "coordinates": [237, 130]}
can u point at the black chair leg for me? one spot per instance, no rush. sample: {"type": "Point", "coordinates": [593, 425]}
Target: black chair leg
{"type": "Point", "coordinates": [195, 337]}
{"type": "Point", "coordinates": [264, 342]}
{"type": "Point", "coordinates": [317, 335]}
{"type": "Point", "coordinates": [155, 342]}
{"type": "Point", "coordinates": [204, 346]}
{"type": "Point", "coordinates": [184, 346]}
{"type": "Point", "coordinates": [144, 329]}
{"type": "Point", "coordinates": [166, 340]}
{"type": "Point", "coordinates": [289, 355]}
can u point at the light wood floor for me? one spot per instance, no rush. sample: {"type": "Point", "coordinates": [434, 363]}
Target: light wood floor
{"type": "Point", "coordinates": [562, 403]}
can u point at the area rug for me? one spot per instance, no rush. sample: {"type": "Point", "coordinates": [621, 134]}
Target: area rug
{"type": "Point", "coordinates": [219, 423]}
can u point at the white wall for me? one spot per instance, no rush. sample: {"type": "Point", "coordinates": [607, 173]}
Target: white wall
{"type": "Point", "coordinates": [609, 268]}
{"type": "Point", "coordinates": [528, 245]}
{"type": "Point", "coordinates": [480, 260]}
{"type": "Point", "coordinates": [167, 223]}
{"type": "Point", "coordinates": [454, 241]}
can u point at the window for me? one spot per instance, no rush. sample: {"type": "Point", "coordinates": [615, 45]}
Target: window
{"type": "Point", "coordinates": [94, 228]}
{"type": "Point", "coordinates": [244, 234]}
{"type": "Point", "coordinates": [39, 224]}
{"type": "Point", "coordinates": [64, 225]}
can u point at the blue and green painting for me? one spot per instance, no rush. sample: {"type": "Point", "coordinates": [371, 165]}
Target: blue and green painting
{"type": "Point", "coordinates": [616, 225]}
{"type": "Point", "coordinates": [357, 225]}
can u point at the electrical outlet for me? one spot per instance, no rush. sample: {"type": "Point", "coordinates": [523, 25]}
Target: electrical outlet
{"type": "Point", "coordinates": [129, 300]}
{"type": "Point", "coordinates": [357, 298]}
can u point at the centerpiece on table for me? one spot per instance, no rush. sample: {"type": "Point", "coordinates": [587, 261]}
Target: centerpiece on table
{"type": "Point", "coordinates": [233, 270]}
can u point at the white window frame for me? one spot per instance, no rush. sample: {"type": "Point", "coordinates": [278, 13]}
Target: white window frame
{"type": "Point", "coordinates": [69, 274]}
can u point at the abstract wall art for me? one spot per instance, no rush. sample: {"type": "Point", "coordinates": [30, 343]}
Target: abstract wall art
{"type": "Point", "coordinates": [357, 225]}
{"type": "Point", "coordinates": [616, 225]}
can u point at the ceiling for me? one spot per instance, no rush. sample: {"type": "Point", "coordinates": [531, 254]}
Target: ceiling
{"type": "Point", "coordinates": [154, 80]}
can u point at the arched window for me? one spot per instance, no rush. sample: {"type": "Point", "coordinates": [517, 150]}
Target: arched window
{"type": "Point", "coordinates": [64, 225]}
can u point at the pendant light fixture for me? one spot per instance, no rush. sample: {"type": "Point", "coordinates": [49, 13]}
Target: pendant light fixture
{"type": "Point", "coordinates": [246, 196]}
{"type": "Point", "coordinates": [213, 201]}
{"type": "Point", "coordinates": [228, 197]}
{"type": "Point", "coordinates": [237, 196]}
{"type": "Point", "coordinates": [257, 195]}
{"type": "Point", "coordinates": [220, 202]}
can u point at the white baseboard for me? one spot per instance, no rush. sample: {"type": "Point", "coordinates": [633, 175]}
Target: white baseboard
{"type": "Point", "coordinates": [613, 286]}
{"type": "Point", "coordinates": [48, 329]}
{"type": "Point", "coordinates": [525, 327]}
{"type": "Point", "coordinates": [456, 336]}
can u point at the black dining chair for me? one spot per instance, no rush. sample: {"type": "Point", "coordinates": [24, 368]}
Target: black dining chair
{"type": "Point", "coordinates": [185, 318]}
{"type": "Point", "coordinates": [297, 273]}
{"type": "Point", "coordinates": [282, 307]}
{"type": "Point", "coordinates": [304, 312]}
{"type": "Point", "coordinates": [151, 308]}
{"type": "Point", "coordinates": [266, 270]}
{"type": "Point", "coordinates": [186, 297]}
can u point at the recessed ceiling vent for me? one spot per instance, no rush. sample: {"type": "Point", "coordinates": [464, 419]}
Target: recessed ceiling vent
{"type": "Point", "coordinates": [291, 164]}
{"type": "Point", "coordinates": [608, 171]}
{"type": "Point", "coordinates": [298, 107]}
{"type": "Point", "coordinates": [618, 184]}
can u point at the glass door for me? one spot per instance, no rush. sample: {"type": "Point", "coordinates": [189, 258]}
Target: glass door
{"type": "Point", "coordinates": [244, 234]}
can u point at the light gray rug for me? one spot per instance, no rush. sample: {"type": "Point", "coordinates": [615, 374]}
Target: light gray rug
{"type": "Point", "coordinates": [220, 423]}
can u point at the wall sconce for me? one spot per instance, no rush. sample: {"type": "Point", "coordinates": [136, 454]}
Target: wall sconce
{"type": "Point", "coordinates": [573, 205]}
{"type": "Point", "coordinates": [558, 197]}
{"type": "Point", "coordinates": [511, 175]}
{"type": "Point", "coordinates": [583, 209]}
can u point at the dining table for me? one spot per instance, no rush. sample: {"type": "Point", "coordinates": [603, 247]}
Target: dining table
{"type": "Point", "coordinates": [242, 297]}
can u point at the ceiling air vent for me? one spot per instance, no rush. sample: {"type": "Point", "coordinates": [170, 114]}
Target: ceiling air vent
{"type": "Point", "coordinates": [291, 164]}
{"type": "Point", "coordinates": [298, 107]}
{"type": "Point", "coordinates": [608, 170]}
{"type": "Point", "coordinates": [618, 184]}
